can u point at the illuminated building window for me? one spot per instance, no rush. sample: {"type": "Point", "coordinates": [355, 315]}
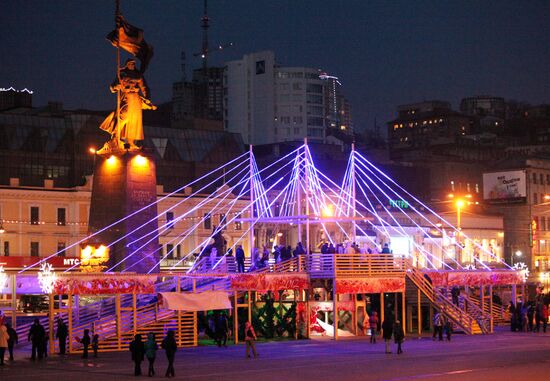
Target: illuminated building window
{"type": "Point", "coordinates": [61, 249]}
{"type": "Point", "coordinates": [35, 248]}
{"type": "Point", "coordinates": [207, 221]}
{"type": "Point", "coordinates": [170, 251]}
{"type": "Point", "coordinates": [35, 215]}
{"type": "Point", "coordinates": [467, 187]}
{"type": "Point", "coordinates": [452, 185]}
{"type": "Point", "coordinates": [170, 220]}
{"type": "Point", "coordinates": [61, 216]}
{"type": "Point", "coordinates": [477, 188]}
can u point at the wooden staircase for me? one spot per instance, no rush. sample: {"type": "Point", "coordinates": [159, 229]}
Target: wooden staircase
{"type": "Point", "coordinates": [461, 319]}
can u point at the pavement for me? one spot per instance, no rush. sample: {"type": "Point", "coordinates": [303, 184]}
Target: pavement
{"type": "Point", "coordinates": [501, 356]}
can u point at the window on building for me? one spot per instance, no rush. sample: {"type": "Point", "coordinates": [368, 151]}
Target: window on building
{"type": "Point", "coordinates": [35, 215]}
{"type": "Point", "coordinates": [297, 120]}
{"type": "Point", "coordinates": [61, 216]}
{"type": "Point", "coordinates": [35, 249]}
{"type": "Point", "coordinates": [170, 220]}
{"type": "Point", "coordinates": [61, 248]}
{"type": "Point", "coordinates": [541, 178]}
{"type": "Point", "coordinates": [260, 67]}
{"type": "Point", "coordinates": [314, 88]}
{"type": "Point", "coordinates": [222, 221]}
{"type": "Point", "coordinates": [297, 86]}
{"type": "Point", "coordinates": [467, 187]}
{"type": "Point", "coordinates": [534, 178]}
{"type": "Point", "coordinates": [170, 251]}
{"type": "Point", "coordinates": [477, 188]}
{"type": "Point", "coordinates": [207, 221]}
{"type": "Point", "coordinates": [452, 185]}
{"type": "Point", "coordinates": [7, 248]}
{"type": "Point", "coordinates": [178, 251]}
{"type": "Point", "coordinates": [535, 198]}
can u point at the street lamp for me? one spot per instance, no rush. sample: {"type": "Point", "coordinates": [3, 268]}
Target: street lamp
{"type": "Point", "coordinates": [518, 254]}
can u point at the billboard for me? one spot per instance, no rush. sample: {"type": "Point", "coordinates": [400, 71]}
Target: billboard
{"type": "Point", "coordinates": [504, 186]}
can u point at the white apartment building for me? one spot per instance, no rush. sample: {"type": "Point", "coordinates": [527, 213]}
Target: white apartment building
{"type": "Point", "coordinates": [267, 103]}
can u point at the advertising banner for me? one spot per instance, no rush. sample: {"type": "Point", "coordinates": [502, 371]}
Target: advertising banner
{"type": "Point", "coordinates": [504, 186]}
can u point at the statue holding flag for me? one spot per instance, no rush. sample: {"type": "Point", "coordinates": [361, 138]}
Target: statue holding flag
{"type": "Point", "coordinates": [125, 124]}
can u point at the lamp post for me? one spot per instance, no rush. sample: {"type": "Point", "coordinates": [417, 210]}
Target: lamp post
{"type": "Point", "coordinates": [518, 254]}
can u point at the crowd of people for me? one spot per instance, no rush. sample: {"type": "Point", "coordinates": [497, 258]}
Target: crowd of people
{"type": "Point", "coordinates": [260, 258]}
{"type": "Point", "coordinates": [530, 316]}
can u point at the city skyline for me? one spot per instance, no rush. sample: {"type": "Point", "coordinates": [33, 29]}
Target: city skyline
{"type": "Point", "coordinates": [384, 54]}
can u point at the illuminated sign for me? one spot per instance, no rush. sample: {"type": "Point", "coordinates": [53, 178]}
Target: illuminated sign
{"type": "Point", "coordinates": [71, 261]}
{"type": "Point", "coordinates": [402, 204]}
{"type": "Point", "coordinates": [92, 259]}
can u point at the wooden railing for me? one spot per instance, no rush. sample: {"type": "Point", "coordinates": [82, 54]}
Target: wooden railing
{"type": "Point", "coordinates": [483, 320]}
{"type": "Point", "coordinates": [442, 303]}
{"type": "Point", "coordinates": [500, 313]}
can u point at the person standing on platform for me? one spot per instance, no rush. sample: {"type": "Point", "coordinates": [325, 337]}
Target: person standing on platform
{"type": "Point", "coordinates": [12, 340]}
{"type": "Point", "coordinates": [36, 336]}
{"type": "Point", "coordinates": [250, 337]}
{"type": "Point", "coordinates": [239, 257]}
{"type": "Point", "coordinates": [373, 322]}
{"type": "Point", "coordinates": [387, 332]}
{"type": "Point", "coordinates": [398, 335]}
{"type": "Point", "coordinates": [170, 347]}
{"type": "Point", "coordinates": [151, 352]}
{"type": "Point", "coordinates": [138, 353]}
{"type": "Point", "coordinates": [61, 334]}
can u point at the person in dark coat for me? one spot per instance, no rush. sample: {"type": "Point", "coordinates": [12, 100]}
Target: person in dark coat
{"type": "Point", "coordinates": [137, 347]}
{"type": "Point", "coordinates": [12, 340]}
{"type": "Point", "coordinates": [239, 257]}
{"type": "Point", "coordinates": [85, 343]}
{"type": "Point", "coordinates": [61, 334]}
{"type": "Point", "coordinates": [37, 333]}
{"type": "Point", "coordinates": [222, 329]}
{"type": "Point", "coordinates": [170, 347]}
{"type": "Point", "coordinates": [387, 331]}
{"type": "Point", "coordinates": [398, 335]}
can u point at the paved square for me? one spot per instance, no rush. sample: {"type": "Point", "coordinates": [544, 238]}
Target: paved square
{"type": "Point", "coordinates": [504, 355]}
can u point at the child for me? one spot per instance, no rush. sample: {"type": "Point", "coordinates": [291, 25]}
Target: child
{"type": "Point", "coordinates": [95, 344]}
{"type": "Point", "coordinates": [448, 330]}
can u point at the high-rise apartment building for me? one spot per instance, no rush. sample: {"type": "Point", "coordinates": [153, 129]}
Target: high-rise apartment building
{"type": "Point", "coordinates": [267, 103]}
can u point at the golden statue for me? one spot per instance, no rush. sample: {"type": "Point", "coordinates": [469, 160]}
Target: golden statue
{"type": "Point", "coordinates": [125, 124]}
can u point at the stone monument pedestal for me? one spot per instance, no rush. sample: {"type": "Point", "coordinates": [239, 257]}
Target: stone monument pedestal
{"type": "Point", "coordinates": [125, 185]}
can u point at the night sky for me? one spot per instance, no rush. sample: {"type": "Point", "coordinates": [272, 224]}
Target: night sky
{"type": "Point", "coordinates": [385, 52]}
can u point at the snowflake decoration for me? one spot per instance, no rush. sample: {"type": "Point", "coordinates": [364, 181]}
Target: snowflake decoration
{"type": "Point", "coordinates": [470, 267]}
{"type": "Point", "coordinates": [46, 278]}
{"type": "Point", "coordinates": [522, 269]}
{"type": "Point", "coordinates": [3, 279]}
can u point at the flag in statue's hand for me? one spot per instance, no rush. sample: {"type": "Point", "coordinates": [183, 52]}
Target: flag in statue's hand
{"type": "Point", "coordinates": [130, 38]}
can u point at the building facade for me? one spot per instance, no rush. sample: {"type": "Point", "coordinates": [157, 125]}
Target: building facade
{"type": "Point", "coordinates": [267, 103]}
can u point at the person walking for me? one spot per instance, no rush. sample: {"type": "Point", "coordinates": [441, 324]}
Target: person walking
{"type": "Point", "coordinates": [85, 343]}
{"type": "Point", "coordinates": [250, 337]}
{"type": "Point", "coordinates": [137, 348]}
{"type": "Point", "coordinates": [151, 352]}
{"type": "Point", "coordinates": [387, 332]}
{"type": "Point", "coordinates": [61, 335]}
{"type": "Point", "coordinates": [222, 329]}
{"type": "Point", "coordinates": [373, 322]}
{"type": "Point", "coordinates": [448, 329]}
{"type": "Point", "coordinates": [398, 335]}
{"type": "Point", "coordinates": [36, 337]}
{"type": "Point", "coordinates": [12, 339]}
{"type": "Point", "coordinates": [95, 344]}
{"type": "Point", "coordinates": [544, 317]}
{"type": "Point", "coordinates": [170, 347]}
{"type": "Point", "coordinates": [438, 326]}
{"type": "Point", "coordinates": [4, 337]}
